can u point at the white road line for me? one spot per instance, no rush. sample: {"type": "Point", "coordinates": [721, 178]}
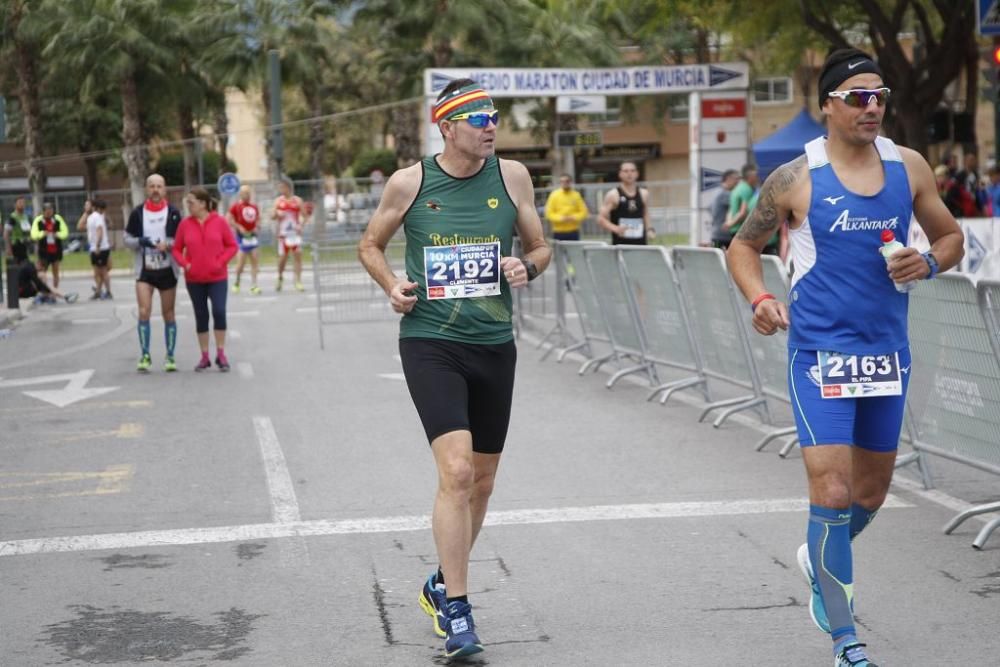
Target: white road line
{"type": "Point", "coordinates": [259, 299]}
{"type": "Point", "coordinates": [392, 376]}
{"type": "Point", "coordinates": [243, 313]}
{"type": "Point", "coordinates": [284, 505]}
{"type": "Point", "coordinates": [394, 524]}
{"type": "Point", "coordinates": [92, 320]}
{"type": "Point", "coordinates": [234, 334]}
{"type": "Point", "coordinates": [307, 309]}
{"type": "Point", "coordinates": [245, 369]}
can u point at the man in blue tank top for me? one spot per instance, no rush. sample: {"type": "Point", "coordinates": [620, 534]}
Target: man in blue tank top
{"type": "Point", "coordinates": [849, 357]}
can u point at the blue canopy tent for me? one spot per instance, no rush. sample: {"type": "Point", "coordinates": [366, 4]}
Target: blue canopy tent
{"type": "Point", "coordinates": [786, 143]}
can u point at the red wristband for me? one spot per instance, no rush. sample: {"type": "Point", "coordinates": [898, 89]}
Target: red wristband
{"type": "Point", "coordinates": [763, 297]}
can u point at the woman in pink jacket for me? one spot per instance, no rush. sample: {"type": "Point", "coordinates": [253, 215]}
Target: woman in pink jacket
{"type": "Point", "coordinates": [203, 246]}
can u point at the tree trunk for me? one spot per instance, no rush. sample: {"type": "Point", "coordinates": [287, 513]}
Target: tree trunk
{"type": "Point", "coordinates": [27, 94]}
{"type": "Point", "coordinates": [90, 174]}
{"type": "Point", "coordinates": [221, 127]}
{"type": "Point", "coordinates": [972, 93]}
{"type": "Point", "coordinates": [273, 167]}
{"type": "Point", "coordinates": [317, 139]}
{"type": "Point", "coordinates": [910, 128]}
{"type": "Point", "coordinates": [135, 152]}
{"type": "Point", "coordinates": [406, 121]}
{"type": "Point", "coordinates": [186, 118]}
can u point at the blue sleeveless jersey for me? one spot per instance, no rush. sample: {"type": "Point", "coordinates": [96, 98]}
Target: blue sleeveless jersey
{"type": "Point", "coordinates": [841, 298]}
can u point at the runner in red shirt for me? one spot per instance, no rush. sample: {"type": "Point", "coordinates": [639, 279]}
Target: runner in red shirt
{"type": "Point", "coordinates": [291, 216]}
{"type": "Point", "coordinates": [243, 216]}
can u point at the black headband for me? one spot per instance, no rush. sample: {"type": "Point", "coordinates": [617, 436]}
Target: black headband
{"type": "Point", "coordinates": [844, 70]}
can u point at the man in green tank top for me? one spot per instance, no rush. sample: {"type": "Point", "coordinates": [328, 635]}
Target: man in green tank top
{"type": "Point", "coordinates": [17, 232]}
{"type": "Point", "coordinates": [458, 210]}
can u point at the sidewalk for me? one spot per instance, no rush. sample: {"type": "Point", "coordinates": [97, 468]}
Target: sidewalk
{"type": "Point", "coordinates": [9, 318]}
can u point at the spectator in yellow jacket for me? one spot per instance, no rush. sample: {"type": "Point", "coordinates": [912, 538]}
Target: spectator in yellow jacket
{"type": "Point", "coordinates": [565, 210]}
{"type": "Point", "coordinates": [49, 230]}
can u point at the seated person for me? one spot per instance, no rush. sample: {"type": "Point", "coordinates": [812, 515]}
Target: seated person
{"type": "Point", "coordinates": [30, 284]}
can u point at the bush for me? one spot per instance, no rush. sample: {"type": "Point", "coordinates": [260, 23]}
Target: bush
{"type": "Point", "coordinates": [171, 167]}
{"type": "Point", "coordinates": [374, 158]}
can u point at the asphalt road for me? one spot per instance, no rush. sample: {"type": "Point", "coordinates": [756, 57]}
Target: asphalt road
{"type": "Point", "coordinates": [277, 515]}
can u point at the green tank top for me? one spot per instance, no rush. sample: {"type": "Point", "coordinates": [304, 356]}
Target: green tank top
{"type": "Point", "coordinates": [459, 218]}
{"type": "Point", "coordinates": [20, 227]}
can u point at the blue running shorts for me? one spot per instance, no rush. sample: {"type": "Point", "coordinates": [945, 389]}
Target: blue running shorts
{"type": "Point", "coordinates": [870, 423]}
{"type": "Point", "coordinates": [248, 243]}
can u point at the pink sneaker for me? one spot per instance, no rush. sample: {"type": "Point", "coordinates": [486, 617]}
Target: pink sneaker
{"type": "Point", "coordinates": [221, 361]}
{"type": "Point", "coordinates": [204, 364]}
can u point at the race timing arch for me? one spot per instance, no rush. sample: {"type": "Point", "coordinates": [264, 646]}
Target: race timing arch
{"type": "Point", "coordinates": [717, 96]}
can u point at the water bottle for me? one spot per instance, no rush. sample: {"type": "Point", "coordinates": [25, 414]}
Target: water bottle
{"type": "Point", "coordinates": [890, 246]}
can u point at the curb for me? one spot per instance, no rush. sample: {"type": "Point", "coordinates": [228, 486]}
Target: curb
{"type": "Point", "coordinates": [9, 318]}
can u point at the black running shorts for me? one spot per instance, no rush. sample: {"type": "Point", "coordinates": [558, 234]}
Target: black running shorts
{"type": "Point", "coordinates": [47, 259]}
{"type": "Point", "coordinates": [100, 258]}
{"type": "Point", "coordinates": [461, 387]}
{"type": "Point", "coordinates": [161, 279]}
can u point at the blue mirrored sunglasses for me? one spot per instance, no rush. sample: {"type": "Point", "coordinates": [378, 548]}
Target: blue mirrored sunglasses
{"type": "Point", "coordinates": [479, 119]}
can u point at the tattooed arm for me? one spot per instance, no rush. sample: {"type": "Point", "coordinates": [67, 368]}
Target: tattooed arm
{"type": "Point", "coordinates": [779, 201]}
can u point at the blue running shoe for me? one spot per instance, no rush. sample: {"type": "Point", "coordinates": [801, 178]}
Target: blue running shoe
{"type": "Point", "coordinates": [461, 631]}
{"type": "Point", "coordinates": [853, 655]}
{"type": "Point", "coordinates": [433, 602]}
{"type": "Point", "coordinates": [817, 611]}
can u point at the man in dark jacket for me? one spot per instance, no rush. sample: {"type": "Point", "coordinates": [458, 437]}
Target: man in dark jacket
{"type": "Point", "coordinates": [150, 233]}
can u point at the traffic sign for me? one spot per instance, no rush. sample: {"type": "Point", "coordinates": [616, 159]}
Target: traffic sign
{"type": "Point", "coordinates": [597, 104]}
{"type": "Point", "coordinates": [229, 183]}
{"type": "Point", "coordinates": [988, 17]}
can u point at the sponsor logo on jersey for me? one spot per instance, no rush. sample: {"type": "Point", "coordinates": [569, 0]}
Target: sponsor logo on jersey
{"type": "Point", "coordinates": [833, 200]}
{"type": "Point", "coordinates": [860, 224]}
{"type": "Point", "coordinates": [433, 205]}
{"type": "Point", "coordinates": [492, 202]}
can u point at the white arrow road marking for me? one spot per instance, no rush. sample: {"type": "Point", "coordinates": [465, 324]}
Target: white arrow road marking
{"type": "Point", "coordinates": [75, 390]}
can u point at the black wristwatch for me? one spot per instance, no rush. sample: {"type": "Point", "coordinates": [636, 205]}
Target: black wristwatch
{"type": "Point", "coordinates": [932, 264]}
{"type": "Point", "coordinates": [530, 268]}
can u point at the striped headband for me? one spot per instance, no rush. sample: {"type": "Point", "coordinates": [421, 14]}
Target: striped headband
{"type": "Point", "coordinates": [468, 98]}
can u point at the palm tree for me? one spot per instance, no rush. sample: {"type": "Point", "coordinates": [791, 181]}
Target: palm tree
{"type": "Point", "coordinates": [21, 41]}
{"type": "Point", "coordinates": [136, 44]}
{"type": "Point", "coordinates": [419, 34]}
{"type": "Point", "coordinates": [249, 29]}
{"type": "Point", "coordinates": [310, 45]}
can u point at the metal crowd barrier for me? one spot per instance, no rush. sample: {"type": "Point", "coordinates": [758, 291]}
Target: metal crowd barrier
{"type": "Point", "coordinates": [616, 301]}
{"type": "Point", "coordinates": [593, 326]}
{"type": "Point", "coordinates": [345, 293]}
{"type": "Point", "coordinates": [719, 320]}
{"type": "Point", "coordinates": [686, 314]}
{"type": "Point", "coordinates": [559, 336]}
{"type": "Point", "coordinates": [770, 354]}
{"type": "Point", "coordinates": [954, 394]}
{"type": "Point", "coordinates": [660, 316]}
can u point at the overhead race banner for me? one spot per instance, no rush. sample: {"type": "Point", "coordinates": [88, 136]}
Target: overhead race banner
{"type": "Point", "coordinates": [544, 82]}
